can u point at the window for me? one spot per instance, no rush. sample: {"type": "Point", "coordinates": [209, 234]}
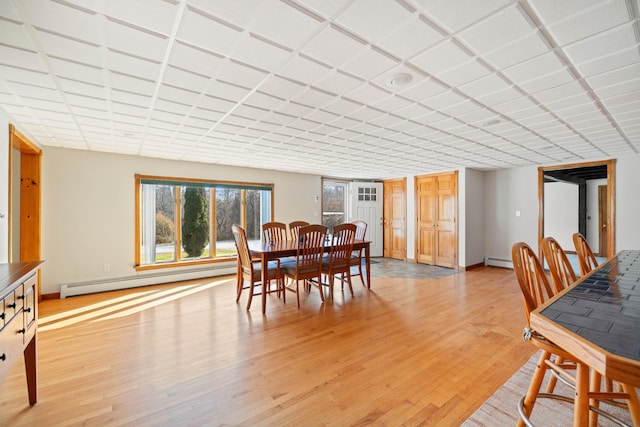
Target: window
{"type": "Point", "coordinates": [367, 194]}
{"type": "Point", "coordinates": [334, 203]}
{"type": "Point", "coordinates": [182, 221]}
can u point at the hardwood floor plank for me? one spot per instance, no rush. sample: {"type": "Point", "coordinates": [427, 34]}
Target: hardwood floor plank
{"type": "Point", "coordinates": [411, 351]}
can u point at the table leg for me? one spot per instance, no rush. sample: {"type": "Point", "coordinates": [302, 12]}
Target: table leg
{"type": "Point", "coordinates": [367, 257]}
{"type": "Point", "coordinates": [581, 404]}
{"type": "Point", "coordinates": [265, 262]}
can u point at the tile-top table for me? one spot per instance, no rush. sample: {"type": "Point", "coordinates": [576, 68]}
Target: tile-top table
{"type": "Point", "coordinates": [598, 320]}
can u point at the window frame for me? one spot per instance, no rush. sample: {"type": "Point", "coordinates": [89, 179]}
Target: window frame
{"type": "Point", "coordinates": [211, 185]}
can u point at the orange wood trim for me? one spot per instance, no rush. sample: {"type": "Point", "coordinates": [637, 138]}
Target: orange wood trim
{"type": "Point", "coordinates": [54, 295]}
{"type": "Point", "coordinates": [611, 200]}
{"type": "Point", "coordinates": [136, 236]}
{"type": "Point", "coordinates": [22, 143]}
{"type": "Point", "coordinates": [205, 181]}
{"type": "Point", "coordinates": [179, 264]}
{"type": "Point", "coordinates": [472, 267]}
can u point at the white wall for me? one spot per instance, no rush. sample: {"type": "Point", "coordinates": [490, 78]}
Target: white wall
{"type": "Point", "coordinates": [88, 208]}
{"type": "Point", "coordinates": [471, 221]}
{"type": "Point", "coordinates": [561, 212]}
{"type": "Point", "coordinates": [4, 187]}
{"type": "Point", "coordinates": [627, 202]}
{"type": "Point", "coordinates": [510, 189]}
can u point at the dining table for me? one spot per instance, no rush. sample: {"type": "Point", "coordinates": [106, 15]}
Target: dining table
{"type": "Point", "coordinates": [269, 251]}
{"type": "Point", "coordinates": [597, 319]}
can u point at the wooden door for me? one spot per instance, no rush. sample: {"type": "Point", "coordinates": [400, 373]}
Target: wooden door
{"type": "Point", "coordinates": [395, 234]}
{"type": "Point", "coordinates": [602, 220]}
{"type": "Point", "coordinates": [426, 206]}
{"type": "Point", "coordinates": [436, 216]}
{"type": "Point", "coordinates": [446, 237]}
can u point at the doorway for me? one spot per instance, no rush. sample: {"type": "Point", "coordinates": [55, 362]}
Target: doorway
{"type": "Point", "coordinates": [581, 176]}
{"type": "Point", "coordinates": [28, 213]}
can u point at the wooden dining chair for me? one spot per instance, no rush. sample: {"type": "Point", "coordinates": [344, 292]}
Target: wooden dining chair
{"type": "Point", "coordinates": [562, 274]}
{"type": "Point", "coordinates": [250, 271]}
{"type": "Point", "coordinates": [307, 265]}
{"type": "Point", "coordinates": [586, 259]}
{"type": "Point", "coordinates": [536, 290]}
{"type": "Point", "coordinates": [356, 256]}
{"type": "Point", "coordinates": [274, 232]}
{"type": "Point", "coordinates": [294, 228]}
{"type": "Point", "coordinates": [338, 262]}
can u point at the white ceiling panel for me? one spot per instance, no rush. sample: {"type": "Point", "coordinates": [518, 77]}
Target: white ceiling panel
{"type": "Point", "coordinates": [342, 88]}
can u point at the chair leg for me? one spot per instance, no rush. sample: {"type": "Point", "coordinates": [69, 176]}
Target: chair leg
{"type": "Point", "coordinates": [349, 283]}
{"type": "Point", "coordinates": [534, 386]}
{"type": "Point", "coordinates": [250, 296]}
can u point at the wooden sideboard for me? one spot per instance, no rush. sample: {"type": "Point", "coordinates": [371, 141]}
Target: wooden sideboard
{"type": "Point", "coordinates": [18, 320]}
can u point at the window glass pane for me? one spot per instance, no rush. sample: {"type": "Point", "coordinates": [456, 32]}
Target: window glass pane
{"type": "Point", "coordinates": [195, 223]}
{"type": "Point", "coordinates": [254, 214]}
{"type": "Point", "coordinates": [227, 214]}
{"type": "Point", "coordinates": [158, 242]}
{"type": "Point", "coordinates": [333, 205]}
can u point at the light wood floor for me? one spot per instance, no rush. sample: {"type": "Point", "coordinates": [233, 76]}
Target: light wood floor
{"type": "Point", "coordinates": [411, 351]}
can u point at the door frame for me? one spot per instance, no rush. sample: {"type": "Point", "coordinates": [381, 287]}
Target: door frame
{"type": "Point", "coordinates": [30, 188]}
{"type": "Point", "coordinates": [611, 186]}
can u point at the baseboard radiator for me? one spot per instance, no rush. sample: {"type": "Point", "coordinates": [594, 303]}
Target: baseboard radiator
{"type": "Point", "coordinates": [499, 262]}
{"type": "Point", "coordinates": [116, 283]}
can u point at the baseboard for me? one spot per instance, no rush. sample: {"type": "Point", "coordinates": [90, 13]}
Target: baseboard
{"type": "Point", "coordinates": [118, 283]}
{"type": "Point", "coordinates": [499, 262]}
{"type": "Point", "coordinates": [471, 267]}
{"type": "Point", "coordinates": [55, 295]}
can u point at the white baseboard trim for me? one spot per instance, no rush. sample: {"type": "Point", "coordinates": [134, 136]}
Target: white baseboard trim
{"type": "Point", "coordinates": [117, 283]}
{"type": "Point", "coordinates": [499, 262]}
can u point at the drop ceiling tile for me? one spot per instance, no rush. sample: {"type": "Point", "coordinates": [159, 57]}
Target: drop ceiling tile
{"type": "Point", "coordinates": [321, 46]}
{"type": "Point", "coordinates": [131, 84]}
{"type": "Point", "coordinates": [372, 23]}
{"type": "Point", "coordinates": [237, 13]}
{"type": "Point", "coordinates": [263, 100]}
{"type": "Point", "coordinates": [410, 38]}
{"type": "Point", "coordinates": [260, 53]}
{"type": "Point", "coordinates": [558, 78]}
{"type": "Point", "coordinates": [304, 70]}
{"type": "Point", "coordinates": [206, 31]}
{"type": "Point", "coordinates": [368, 94]}
{"type": "Point", "coordinates": [313, 97]}
{"type": "Point", "coordinates": [369, 64]}
{"type": "Point", "coordinates": [133, 110]}
{"type": "Point", "coordinates": [465, 73]}
{"type": "Point", "coordinates": [351, 109]}
{"type": "Point", "coordinates": [542, 65]}
{"type": "Point", "coordinates": [23, 58]}
{"type": "Point", "coordinates": [240, 74]}
{"type": "Point", "coordinates": [602, 16]}
{"type": "Point", "coordinates": [35, 92]}
{"type": "Point", "coordinates": [176, 94]}
{"type": "Point", "coordinates": [134, 41]}
{"type": "Point", "coordinates": [81, 88]}
{"type": "Point", "coordinates": [15, 34]}
{"type": "Point", "coordinates": [517, 51]}
{"type": "Point", "coordinates": [137, 13]}
{"type": "Point", "coordinates": [615, 77]}
{"type": "Point", "coordinates": [505, 25]}
{"type": "Point", "coordinates": [442, 57]}
{"type": "Point", "coordinates": [338, 82]}
{"type": "Point", "coordinates": [610, 62]}
{"type": "Point", "coordinates": [284, 24]}
{"type": "Point", "coordinates": [424, 90]}
{"type": "Point", "coordinates": [174, 107]}
{"type": "Point", "coordinates": [295, 109]}
{"type": "Point", "coordinates": [602, 44]}
{"type": "Point", "coordinates": [29, 77]}
{"type": "Point", "coordinates": [455, 16]}
{"type": "Point", "coordinates": [487, 84]}
{"type": "Point", "coordinates": [499, 96]}
{"type": "Point", "coordinates": [184, 79]}
{"type": "Point", "coordinates": [194, 59]}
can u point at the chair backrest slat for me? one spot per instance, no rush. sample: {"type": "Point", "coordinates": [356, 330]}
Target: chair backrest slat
{"type": "Point", "coordinates": [342, 243]}
{"type": "Point", "coordinates": [310, 245]}
{"type": "Point", "coordinates": [562, 273]}
{"type": "Point", "coordinates": [531, 277]}
{"type": "Point", "coordinates": [274, 232]}
{"type": "Point", "coordinates": [242, 246]}
{"type": "Point", "coordinates": [294, 229]}
{"type": "Point", "coordinates": [586, 259]}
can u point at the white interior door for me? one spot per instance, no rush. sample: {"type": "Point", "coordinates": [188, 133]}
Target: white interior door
{"type": "Point", "coordinates": [366, 205]}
